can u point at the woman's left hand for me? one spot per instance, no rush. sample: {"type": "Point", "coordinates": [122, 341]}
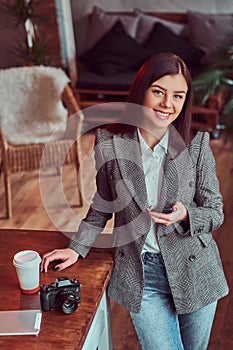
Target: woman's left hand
{"type": "Point", "coordinates": [179, 213]}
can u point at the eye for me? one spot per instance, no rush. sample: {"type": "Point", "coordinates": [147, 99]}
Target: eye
{"type": "Point", "coordinates": [178, 97]}
{"type": "Point", "coordinates": [157, 92]}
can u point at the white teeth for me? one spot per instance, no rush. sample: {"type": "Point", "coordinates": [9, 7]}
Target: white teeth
{"type": "Point", "coordinates": [162, 114]}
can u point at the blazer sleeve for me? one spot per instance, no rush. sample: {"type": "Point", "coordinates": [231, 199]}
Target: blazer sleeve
{"type": "Point", "coordinates": [100, 209]}
{"type": "Point", "coordinates": [206, 212]}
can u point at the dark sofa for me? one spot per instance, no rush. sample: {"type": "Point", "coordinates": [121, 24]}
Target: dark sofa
{"type": "Point", "coordinates": [119, 42]}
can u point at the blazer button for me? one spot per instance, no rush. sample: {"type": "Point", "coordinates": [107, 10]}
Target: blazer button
{"type": "Point", "coordinates": [121, 253]}
{"type": "Point", "coordinates": [191, 183]}
{"type": "Point", "coordinates": [192, 258]}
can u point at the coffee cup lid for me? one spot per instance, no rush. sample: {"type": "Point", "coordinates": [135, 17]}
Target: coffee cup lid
{"type": "Point", "coordinates": [26, 259]}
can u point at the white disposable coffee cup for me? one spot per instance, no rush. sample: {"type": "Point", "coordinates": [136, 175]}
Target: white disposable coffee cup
{"type": "Point", "coordinates": [27, 264]}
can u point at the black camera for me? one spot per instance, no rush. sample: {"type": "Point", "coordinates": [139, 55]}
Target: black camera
{"type": "Point", "coordinates": [64, 294]}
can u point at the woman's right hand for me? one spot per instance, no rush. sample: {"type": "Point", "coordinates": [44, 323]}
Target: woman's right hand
{"type": "Point", "coordinates": [67, 255]}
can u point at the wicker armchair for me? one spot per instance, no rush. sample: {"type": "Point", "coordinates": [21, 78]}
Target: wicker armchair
{"type": "Point", "coordinates": [26, 156]}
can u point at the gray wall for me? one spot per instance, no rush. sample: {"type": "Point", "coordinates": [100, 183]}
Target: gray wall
{"type": "Point", "coordinates": [80, 8]}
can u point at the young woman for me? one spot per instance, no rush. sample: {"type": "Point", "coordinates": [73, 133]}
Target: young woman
{"type": "Point", "coordinates": [160, 182]}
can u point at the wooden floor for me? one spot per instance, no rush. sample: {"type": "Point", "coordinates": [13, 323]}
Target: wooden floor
{"type": "Point", "coordinates": [29, 212]}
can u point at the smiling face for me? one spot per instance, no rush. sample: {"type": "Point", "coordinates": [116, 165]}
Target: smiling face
{"type": "Point", "coordinates": [165, 99]}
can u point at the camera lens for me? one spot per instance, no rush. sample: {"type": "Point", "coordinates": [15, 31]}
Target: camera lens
{"type": "Point", "coordinates": [69, 306]}
{"type": "Point", "coordinates": [67, 302]}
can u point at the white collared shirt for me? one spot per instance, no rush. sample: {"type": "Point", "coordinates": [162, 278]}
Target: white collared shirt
{"type": "Point", "coordinates": [153, 161]}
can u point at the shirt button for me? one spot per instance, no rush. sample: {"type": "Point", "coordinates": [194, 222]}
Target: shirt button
{"type": "Point", "coordinates": [121, 253]}
{"type": "Point", "coordinates": [192, 258]}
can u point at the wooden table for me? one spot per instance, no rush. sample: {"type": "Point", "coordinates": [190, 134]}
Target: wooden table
{"type": "Point", "coordinates": [86, 328]}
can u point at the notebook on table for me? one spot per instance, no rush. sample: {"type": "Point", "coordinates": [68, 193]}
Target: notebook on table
{"type": "Point", "coordinates": [20, 322]}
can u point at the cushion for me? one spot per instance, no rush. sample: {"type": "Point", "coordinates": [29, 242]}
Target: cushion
{"type": "Point", "coordinates": [115, 52]}
{"type": "Point", "coordinates": [30, 103]}
{"type": "Point", "coordinates": [209, 31]}
{"type": "Point", "coordinates": [101, 22]}
{"type": "Point", "coordinates": [162, 39]}
{"type": "Point", "coordinates": [147, 22]}
{"type": "Point", "coordinates": [121, 81]}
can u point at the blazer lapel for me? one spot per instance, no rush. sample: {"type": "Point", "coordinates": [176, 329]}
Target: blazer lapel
{"type": "Point", "coordinates": [178, 172]}
{"type": "Point", "coordinates": [128, 157]}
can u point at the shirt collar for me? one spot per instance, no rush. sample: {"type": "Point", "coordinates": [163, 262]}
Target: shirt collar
{"type": "Point", "coordinates": [162, 143]}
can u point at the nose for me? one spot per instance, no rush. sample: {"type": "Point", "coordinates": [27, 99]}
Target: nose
{"type": "Point", "coordinates": [166, 101]}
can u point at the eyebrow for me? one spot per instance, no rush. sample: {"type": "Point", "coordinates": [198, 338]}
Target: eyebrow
{"type": "Point", "coordinates": [176, 92]}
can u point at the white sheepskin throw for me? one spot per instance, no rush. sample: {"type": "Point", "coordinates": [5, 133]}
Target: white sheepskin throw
{"type": "Point", "coordinates": [30, 103]}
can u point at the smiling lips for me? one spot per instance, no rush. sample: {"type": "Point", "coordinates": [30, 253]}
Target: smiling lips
{"type": "Point", "coordinates": [162, 115]}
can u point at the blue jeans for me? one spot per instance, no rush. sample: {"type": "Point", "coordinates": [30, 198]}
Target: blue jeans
{"type": "Point", "coordinates": [157, 324]}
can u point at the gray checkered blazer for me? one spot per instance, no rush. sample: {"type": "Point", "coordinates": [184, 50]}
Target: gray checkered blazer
{"type": "Point", "coordinates": [190, 253]}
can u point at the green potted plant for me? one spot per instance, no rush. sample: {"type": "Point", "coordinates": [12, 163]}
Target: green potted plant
{"type": "Point", "coordinates": [218, 79]}
{"type": "Point", "coordinates": [34, 49]}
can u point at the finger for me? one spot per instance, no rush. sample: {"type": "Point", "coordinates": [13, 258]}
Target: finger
{"type": "Point", "coordinates": [49, 253]}
{"type": "Point", "coordinates": [70, 257]}
{"type": "Point", "coordinates": [156, 215]}
{"type": "Point", "coordinates": [164, 222]}
{"type": "Point", "coordinates": [161, 220]}
{"type": "Point", "coordinates": [150, 209]}
{"type": "Point", "coordinates": [64, 265]}
{"type": "Point", "coordinates": [48, 258]}
{"type": "Point", "coordinates": [45, 263]}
